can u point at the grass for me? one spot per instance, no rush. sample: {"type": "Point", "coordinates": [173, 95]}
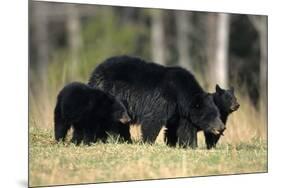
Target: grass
{"type": "Point", "coordinates": [53, 163]}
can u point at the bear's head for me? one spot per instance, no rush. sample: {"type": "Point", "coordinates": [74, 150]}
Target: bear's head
{"type": "Point", "coordinates": [226, 100]}
{"type": "Point", "coordinates": [205, 115]}
{"type": "Point", "coordinates": [120, 112]}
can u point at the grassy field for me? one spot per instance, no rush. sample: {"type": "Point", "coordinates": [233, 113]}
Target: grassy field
{"type": "Point", "coordinates": [243, 149]}
{"type": "Point", "coordinates": [64, 163]}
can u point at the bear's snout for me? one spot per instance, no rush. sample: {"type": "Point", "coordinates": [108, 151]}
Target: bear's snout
{"type": "Point", "coordinates": [235, 107]}
{"type": "Point", "coordinates": [217, 127]}
{"type": "Point", "coordinates": [125, 119]}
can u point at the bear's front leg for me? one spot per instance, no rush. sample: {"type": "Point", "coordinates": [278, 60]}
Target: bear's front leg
{"type": "Point", "coordinates": [170, 136]}
{"type": "Point", "coordinates": [124, 132]}
{"type": "Point", "coordinates": [91, 132]}
{"type": "Point", "coordinates": [150, 130]}
{"type": "Point", "coordinates": [61, 126]}
{"type": "Point", "coordinates": [187, 134]}
{"type": "Point", "coordinates": [211, 140]}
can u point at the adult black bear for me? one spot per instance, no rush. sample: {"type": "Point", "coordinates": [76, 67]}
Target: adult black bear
{"type": "Point", "coordinates": [91, 112]}
{"type": "Point", "coordinates": [159, 96]}
{"type": "Point", "coordinates": [227, 103]}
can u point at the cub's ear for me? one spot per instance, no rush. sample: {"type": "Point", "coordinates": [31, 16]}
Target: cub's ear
{"type": "Point", "coordinates": [218, 89]}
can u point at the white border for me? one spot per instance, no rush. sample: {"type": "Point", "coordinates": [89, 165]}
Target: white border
{"type": "Point", "coordinates": [14, 88]}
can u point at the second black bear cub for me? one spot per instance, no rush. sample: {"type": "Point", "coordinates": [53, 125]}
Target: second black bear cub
{"type": "Point", "coordinates": [91, 113]}
{"type": "Point", "coordinates": [227, 103]}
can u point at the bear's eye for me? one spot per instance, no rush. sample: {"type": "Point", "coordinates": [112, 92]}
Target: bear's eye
{"type": "Point", "coordinates": [197, 106]}
{"type": "Point", "coordinates": [229, 97]}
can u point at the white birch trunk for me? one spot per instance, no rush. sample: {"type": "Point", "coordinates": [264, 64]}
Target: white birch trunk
{"type": "Point", "coordinates": [221, 62]}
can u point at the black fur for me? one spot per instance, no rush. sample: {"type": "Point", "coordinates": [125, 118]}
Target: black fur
{"type": "Point", "coordinates": [158, 96]}
{"type": "Point", "coordinates": [227, 103]}
{"type": "Point", "coordinates": [91, 112]}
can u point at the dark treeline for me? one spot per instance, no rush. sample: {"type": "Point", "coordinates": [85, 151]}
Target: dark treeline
{"type": "Point", "coordinates": [228, 49]}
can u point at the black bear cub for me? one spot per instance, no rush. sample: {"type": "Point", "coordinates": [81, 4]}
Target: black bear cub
{"type": "Point", "coordinates": [227, 103]}
{"type": "Point", "coordinates": [91, 113]}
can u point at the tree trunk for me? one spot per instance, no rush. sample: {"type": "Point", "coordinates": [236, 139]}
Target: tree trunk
{"type": "Point", "coordinates": [183, 24]}
{"type": "Point", "coordinates": [157, 37]}
{"type": "Point", "coordinates": [260, 24]}
{"type": "Point", "coordinates": [217, 48]}
{"type": "Point", "coordinates": [74, 36]}
{"type": "Point", "coordinates": [221, 62]}
{"type": "Point", "coordinates": [41, 38]}
{"type": "Point", "coordinates": [211, 30]}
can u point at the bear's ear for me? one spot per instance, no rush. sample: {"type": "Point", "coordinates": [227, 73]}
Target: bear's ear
{"type": "Point", "coordinates": [218, 89]}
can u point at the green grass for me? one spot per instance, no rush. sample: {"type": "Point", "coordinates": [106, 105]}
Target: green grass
{"type": "Point", "coordinates": [52, 163]}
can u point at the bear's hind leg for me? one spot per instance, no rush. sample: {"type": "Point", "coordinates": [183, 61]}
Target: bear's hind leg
{"type": "Point", "coordinates": [61, 126]}
{"type": "Point", "coordinates": [61, 129]}
{"type": "Point", "coordinates": [77, 136]}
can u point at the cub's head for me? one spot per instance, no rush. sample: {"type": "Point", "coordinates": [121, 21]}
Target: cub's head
{"type": "Point", "coordinates": [226, 100]}
{"type": "Point", "coordinates": [119, 112]}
